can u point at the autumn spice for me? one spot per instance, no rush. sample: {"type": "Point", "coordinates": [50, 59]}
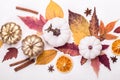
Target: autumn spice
{"type": "Point", "coordinates": [27, 10]}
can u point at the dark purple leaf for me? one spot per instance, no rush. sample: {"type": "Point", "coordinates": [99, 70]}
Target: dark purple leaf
{"type": "Point", "coordinates": [104, 47]}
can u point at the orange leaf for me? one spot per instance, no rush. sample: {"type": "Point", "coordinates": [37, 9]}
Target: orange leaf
{"type": "Point", "coordinates": [102, 28]}
{"type": "Point", "coordinates": [95, 63]}
{"type": "Point", "coordinates": [79, 26]}
{"type": "Point", "coordinates": [110, 26]}
{"type": "Point", "coordinates": [110, 36]}
{"type": "Point", "coordinates": [53, 10]}
{"type": "Point", "coordinates": [1, 43]}
{"type": "Point", "coordinates": [83, 60]}
{"type": "Point", "coordinates": [46, 57]}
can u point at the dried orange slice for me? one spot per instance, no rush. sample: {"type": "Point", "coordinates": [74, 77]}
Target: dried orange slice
{"type": "Point", "coordinates": [116, 47]}
{"type": "Point", "coordinates": [64, 64]}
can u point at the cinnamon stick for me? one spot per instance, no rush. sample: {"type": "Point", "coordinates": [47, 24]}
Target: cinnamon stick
{"type": "Point", "coordinates": [27, 10]}
{"type": "Point", "coordinates": [24, 65]}
{"type": "Point", "coordinates": [19, 62]}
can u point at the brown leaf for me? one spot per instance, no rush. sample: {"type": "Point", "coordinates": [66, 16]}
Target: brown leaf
{"type": "Point", "coordinates": [110, 36]}
{"type": "Point", "coordinates": [95, 63]}
{"type": "Point", "coordinates": [79, 26]}
{"type": "Point", "coordinates": [110, 26]}
{"type": "Point", "coordinates": [102, 28]}
{"type": "Point", "coordinates": [104, 47]}
{"type": "Point", "coordinates": [117, 30]}
{"type": "Point", "coordinates": [12, 53]}
{"type": "Point", "coordinates": [46, 57]}
{"type": "Point", "coordinates": [34, 23]}
{"type": "Point", "coordinates": [83, 60]}
{"type": "Point", "coordinates": [53, 10]}
{"type": "Point", "coordinates": [69, 48]}
{"type": "Point", "coordinates": [105, 61]}
{"type": "Point", "coordinates": [94, 25]}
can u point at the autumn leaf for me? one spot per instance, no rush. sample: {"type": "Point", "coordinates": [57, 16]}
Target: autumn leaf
{"type": "Point", "coordinates": [34, 23]}
{"type": "Point", "coordinates": [1, 43]}
{"type": "Point", "coordinates": [46, 57]}
{"type": "Point", "coordinates": [105, 61]}
{"type": "Point", "coordinates": [12, 53]}
{"type": "Point", "coordinates": [110, 26]}
{"type": "Point", "coordinates": [102, 28]}
{"type": "Point", "coordinates": [104, 47]}
{"type": "Point", "coordinates": [117, 30]}
{"type": "Point", "coordinates": [53, 10]}
{"type": "Point", "coordinates": [79, 26]}
{"type": "Point", "coordinates": [83, 61]}
{"type": "Point", "coordinates": [110, 36]}
{"type": "Point", "coordinates": [94, 25]}
{"type": "Point", "coordinates": [69, 48]}
{"type": "Point", "coordinates": [95, 63]}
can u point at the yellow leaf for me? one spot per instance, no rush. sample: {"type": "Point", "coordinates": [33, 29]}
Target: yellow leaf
{"type": "Point", "coordinates": [1, 43]}
{"type": "Point", "coordinates": [79, 26]}
{"type": "Point", "coordinates": [53, 10]}
{"type": "Point", "coordinates": [46, 57]}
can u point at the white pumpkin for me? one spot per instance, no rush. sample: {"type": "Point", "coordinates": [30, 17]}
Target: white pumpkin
{"type": "Point", "coordinates": [32, 45]}
{"type": "Point", "coordinates": [90, 47]}
{"type": "Point", "coordinates": [56, 32]}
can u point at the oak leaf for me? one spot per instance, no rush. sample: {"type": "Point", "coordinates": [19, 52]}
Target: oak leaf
{"type": "Point", "coordinates": [94, 25]}
{"type": "Point", "coordinates": [46, 57]}
{"type": "Point", "coordinates": [117, 30]}
{"type": "Point", "coordinates": [83, 60]}
{"type": "Point", "coordinates": [53, 10]}
{"type": "Point", "coordinates": [79, 26]}
{"type": "Point", "coordinates": [95, 63]}
{"type": "Point", "coordinates": [69, 48]}
{"type": "Point", "coordinates": [12, 53]}
{"type": "Point", "coordinates": [34, 23]}
{"type": "Point", "coordinates": [104, 60]}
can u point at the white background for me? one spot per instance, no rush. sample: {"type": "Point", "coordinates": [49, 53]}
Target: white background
{"type": "Point", "coordinates": [107, 11]}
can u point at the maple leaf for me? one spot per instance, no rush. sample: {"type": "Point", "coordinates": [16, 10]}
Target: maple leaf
{"type": "Point", "coordinates": [94, 25]}
{"type": "Point", "coordinates": [104, 60]}
{"type": "Point", "coordinates": [88, 11]}
{"type": "Point", "coordinates": [34, 23]}
{"type": "Point", "coordinates": [83, 60]}
{"type": "Point", "coordinates": [79, 26]}
{"type": "Point", "coordinates": [117, 30]}
{"type": "Point", "coordinates": [95, 63]}
{"type": "Point", "coordinates": [12, 52]}
{"type": "Point", "coordinates": [104, 47]}
{"type": "Point", "coordinates": [69, 48]}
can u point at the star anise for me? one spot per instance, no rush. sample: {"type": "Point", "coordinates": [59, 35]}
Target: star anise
{"type": "Point", "coordinates": [114, 59]}
{"type": "Point", "coordinates": [51, 68]}
{"type": "Point", "coordinates": [88, 11]}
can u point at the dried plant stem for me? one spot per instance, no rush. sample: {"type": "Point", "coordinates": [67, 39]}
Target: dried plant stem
{"type": "Point", "coordinates": [19, 62]}
{"type": "Point", "coordinates": [27, 10]}
{"type": "Point", "coordinates": [24, 65]}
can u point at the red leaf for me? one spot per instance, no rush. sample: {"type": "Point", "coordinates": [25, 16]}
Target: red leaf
{"type": "Point", "coordinates": [34, 23]}
{"type": "Point", "coordinates": [83, 60]}
{"type": "Point", "coordinates": [95, 63]}
{"type": "Point", "coordinates": [104, 47]}
{"type": "Point", "coordinates": [117, 30]}
{"type": "Point", "coordinates": [69, 48]}
{"type": "Point", "coordinates": [10, 54]}
{"type": "Point", "coordinates": [105, 61]}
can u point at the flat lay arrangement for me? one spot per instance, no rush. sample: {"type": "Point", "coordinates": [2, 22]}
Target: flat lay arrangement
{"type": "Point", "coordinates": [58, 41]}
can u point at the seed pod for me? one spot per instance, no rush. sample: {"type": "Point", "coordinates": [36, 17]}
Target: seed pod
{"type": "Point", "coordinates": [32, 45]}
{"type": "Point", "coordinates": [11, 33]}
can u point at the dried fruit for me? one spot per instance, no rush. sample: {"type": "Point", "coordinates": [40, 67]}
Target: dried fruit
{"type": "Point", "coordinates": [32, 45]}
{"type": "Point", "coordinates": [51, 68]}
{"type": "Point", "coordinates": [56, 32]}
{"type": "Point", "coordinates": [116, 47]}
{"type": "Point", "coordinates": [88, 11]}
{"type": "Point", "coordinates": [64, 64]}
{"type": "Point", "coordinates": [114, 59]}
{"type": "Point", "coordinates": [11, 33]}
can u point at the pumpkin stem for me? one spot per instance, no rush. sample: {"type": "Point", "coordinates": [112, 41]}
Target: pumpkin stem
{"type": "Point", "coordinates": [55, 31]}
